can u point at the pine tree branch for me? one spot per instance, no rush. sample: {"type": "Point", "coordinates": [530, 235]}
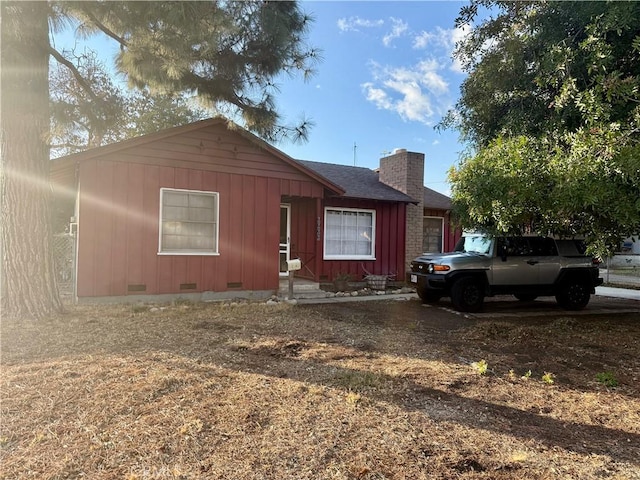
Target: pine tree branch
{"type": "Point", "coordinates": [74, 71]}
{"type": "Point", "coordinates": [106, 30]}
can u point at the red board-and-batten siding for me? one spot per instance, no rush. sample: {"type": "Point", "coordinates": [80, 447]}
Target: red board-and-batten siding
{"type": "Point", "coordinates": [308, 228]}
{"type": "Point", "coordinates": [119, 215]}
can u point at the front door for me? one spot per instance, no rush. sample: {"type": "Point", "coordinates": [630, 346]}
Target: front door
{"type": "Point", "coordinates": [285, 238]}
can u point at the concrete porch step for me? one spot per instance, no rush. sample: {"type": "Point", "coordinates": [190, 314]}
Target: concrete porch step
{"type": "Point", "coordinates": [301, 289]}
{"type": "Point", "coordinates": [304, 295]}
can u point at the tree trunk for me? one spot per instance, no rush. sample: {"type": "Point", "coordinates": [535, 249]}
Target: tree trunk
{"type": "Point", "coordinates": [27, 278]}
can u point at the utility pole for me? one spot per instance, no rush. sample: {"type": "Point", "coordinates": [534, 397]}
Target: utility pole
{"type": "Point", "coordinates": [354, 153]}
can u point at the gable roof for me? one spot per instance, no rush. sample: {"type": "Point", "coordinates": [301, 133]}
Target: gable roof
{"type": "Point", "coordinates": [357, 182]}
{"type": "Point", "coordinates": [436, 200]}
{"type": "Point", "coordinates": [68, 162]}
{"type": "Point", "coordinates": [343, 180]}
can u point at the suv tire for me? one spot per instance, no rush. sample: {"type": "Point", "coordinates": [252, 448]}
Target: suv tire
{"type": "Point", "coordinates": [574, 295]}
{"type": "Point", "coordinates": [467, 294]}
{"type": "Point", "coordinates": [428, 296]}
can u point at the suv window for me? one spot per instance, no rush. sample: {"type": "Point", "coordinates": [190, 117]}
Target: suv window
{"type": "Point", "coordinates": [543, 246]}
{"type": "Point", "coordinates": [572, 247]}
{"type": "Point", "coordinates": [527, 246]}
{"type": "Point", "coordinates": [514, 247]}
{"type": "Point", "coordinates": [474, 243]}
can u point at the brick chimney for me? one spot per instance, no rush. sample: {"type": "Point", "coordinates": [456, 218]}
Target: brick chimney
{"type": "Point", "coordinates": [404, 171]}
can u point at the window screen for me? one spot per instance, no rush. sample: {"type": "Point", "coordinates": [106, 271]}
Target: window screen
{"type": "Point", "coordinates": [189, 222]}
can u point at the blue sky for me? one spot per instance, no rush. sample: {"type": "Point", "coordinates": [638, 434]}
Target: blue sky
{"type": "Point", "coordinates": [387, 77]}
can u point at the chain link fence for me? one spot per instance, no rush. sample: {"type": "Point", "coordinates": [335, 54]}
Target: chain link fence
{"type": "Point", "coordinates": [64, 252]}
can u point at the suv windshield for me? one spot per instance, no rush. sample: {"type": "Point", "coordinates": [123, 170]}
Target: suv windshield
{"type": "Point", "coordinates": [474, 243]}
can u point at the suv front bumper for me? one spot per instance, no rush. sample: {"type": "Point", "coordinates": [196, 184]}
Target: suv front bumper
{"type": "Point", "coordinates": [428, 281]}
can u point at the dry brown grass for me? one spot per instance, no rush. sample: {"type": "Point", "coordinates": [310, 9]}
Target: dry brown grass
{"type": "Point", "coordinates": [351, 391]}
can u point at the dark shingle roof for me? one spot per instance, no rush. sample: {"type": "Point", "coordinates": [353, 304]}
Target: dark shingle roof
{"type": "Point", "coordinates": [357, 182]}
{"type": "Point", "coordinates": [436, 200]}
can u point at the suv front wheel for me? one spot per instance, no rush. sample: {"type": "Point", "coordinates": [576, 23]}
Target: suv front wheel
{"type": "Point", "coordinates": [467, 295]}
{"type": "Point", "coordinates": [428, 296]}
{"type": "Point", "coordinates": [574, 295]}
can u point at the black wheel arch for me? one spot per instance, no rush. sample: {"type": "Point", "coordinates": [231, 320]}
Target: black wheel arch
{"type": "Point", "coordinates": [479, 275]}
{"type": "Point", "coordinates": [568, 275]}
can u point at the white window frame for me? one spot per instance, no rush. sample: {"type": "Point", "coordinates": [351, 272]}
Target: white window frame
{"type": "Point", "coordinates": [216, 250]}
{"type": "Point", "coordinates": [372, 256]}
{"type": "Point", "coordinates": [441, 231]}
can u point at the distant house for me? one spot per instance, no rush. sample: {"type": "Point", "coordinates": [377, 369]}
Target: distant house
{"type": "Point", "coordinates": [628, 255]}
{"type": "Point", "coordinates": [208, 211]}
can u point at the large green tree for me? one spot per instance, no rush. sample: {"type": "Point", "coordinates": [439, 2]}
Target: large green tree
{"type": "Point", "coordinates": [551, 111]}
{"type": "Point", "coordinates": [226, 53]}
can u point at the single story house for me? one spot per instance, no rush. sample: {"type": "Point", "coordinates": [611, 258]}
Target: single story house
{"type": "Point", "coordinates": [210, 211]}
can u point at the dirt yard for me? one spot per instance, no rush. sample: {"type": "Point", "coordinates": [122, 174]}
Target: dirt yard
{"type": "Point", "coordinates": [371, 390]}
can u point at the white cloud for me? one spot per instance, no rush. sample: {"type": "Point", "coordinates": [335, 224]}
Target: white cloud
{"type": "Point", "coordinates": [398, 29]}
{"type": "Point", "coordinates": [423, 39]}
{"type": "Point", "coordinates": [377, 96]}
{"type": "Point", "coordinates": [414, 105]}
{"type": "Point", "coordinates": [460, 33]}
{"type": "Point", "coordinates": [354, 24]}
{"type": "Point", "coordinates": [443, 38]}
{"type": "Point", "coordinates": [416, 94]}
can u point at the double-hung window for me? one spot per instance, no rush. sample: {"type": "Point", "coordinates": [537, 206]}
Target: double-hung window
{"type": "Point", "coordinates": [349, 234]}
{"type": "Point", "coordinates": [188, 222]}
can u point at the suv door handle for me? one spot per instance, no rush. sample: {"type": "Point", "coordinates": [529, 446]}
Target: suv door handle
{"type": "Point", "coordinates": [532, 262]}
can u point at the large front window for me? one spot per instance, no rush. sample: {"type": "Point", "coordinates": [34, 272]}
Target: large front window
{"type": "Point", "coordinates": [188, 222]}
{"type": "Point", "coordinates": [349, 234]}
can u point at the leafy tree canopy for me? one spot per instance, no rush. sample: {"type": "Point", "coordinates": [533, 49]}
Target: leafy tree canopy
{"type": "Point", "coordinates": [551, 109]}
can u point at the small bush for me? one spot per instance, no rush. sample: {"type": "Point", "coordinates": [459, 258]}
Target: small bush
{"type": "Point", "coordinates": [481, 366]}
{"type": "Point", "coordinates": [608, 379]}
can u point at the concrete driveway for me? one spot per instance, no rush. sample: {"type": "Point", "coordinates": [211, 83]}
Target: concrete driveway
{"type": "Point", "coordinates": [606, 301]}
{"type": "Point", "coordinates": [618, 293]}
{"type": "Point", "coordinates": [508, 306]}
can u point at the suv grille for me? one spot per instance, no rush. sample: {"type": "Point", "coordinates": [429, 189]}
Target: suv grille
{"type": "Point", "coordinates": [419, 267]}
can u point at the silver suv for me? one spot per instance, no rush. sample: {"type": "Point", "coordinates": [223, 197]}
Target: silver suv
{"type": "Point", "coordinates": [526, 267]}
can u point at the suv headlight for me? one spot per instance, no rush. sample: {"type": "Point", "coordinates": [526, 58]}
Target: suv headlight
{"type": "Point", "coordinates": [438, 268]}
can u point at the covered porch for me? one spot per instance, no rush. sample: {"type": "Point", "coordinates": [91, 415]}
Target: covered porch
{"type": "Point", "coordinates": [301, 236]}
